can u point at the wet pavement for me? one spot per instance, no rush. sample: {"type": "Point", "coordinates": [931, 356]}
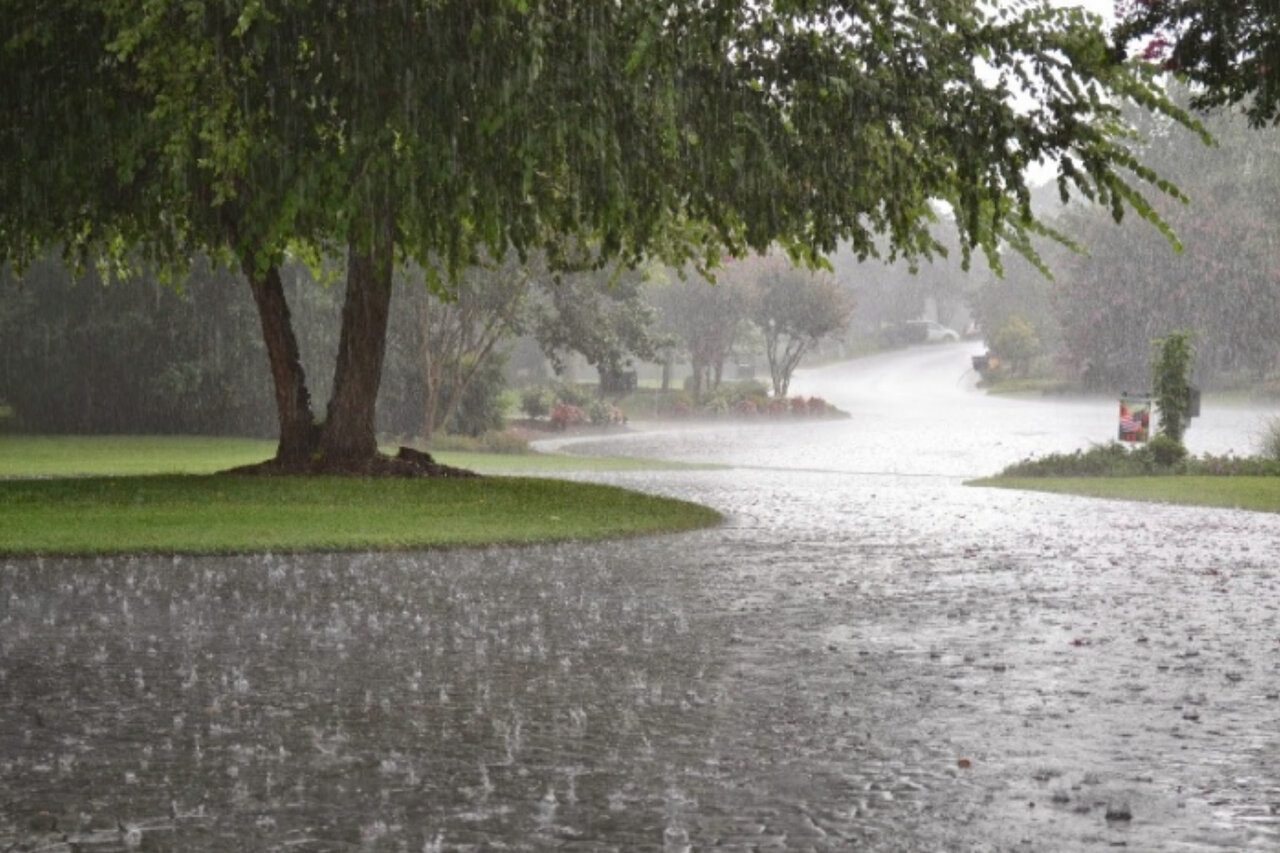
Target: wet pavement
{"type": "Point", "coordinates": [867, 655]}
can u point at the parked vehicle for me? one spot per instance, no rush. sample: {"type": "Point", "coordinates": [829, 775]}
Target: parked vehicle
{"type": "Point", "coordinates": [929, 332]}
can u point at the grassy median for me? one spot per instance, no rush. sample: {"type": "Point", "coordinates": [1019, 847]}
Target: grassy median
{"type": "Point", "coordinates": [127, 455]}
{"type": "Point", "coordinates": [1160, 471]}
{"type": "Point", "coordinates": [45, 508]}
{"type": "Point", "coordinates": [1261, 494]}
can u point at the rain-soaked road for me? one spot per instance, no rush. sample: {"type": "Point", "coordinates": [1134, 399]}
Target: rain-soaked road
{"type": "Point", "coordinates": [868, 655]}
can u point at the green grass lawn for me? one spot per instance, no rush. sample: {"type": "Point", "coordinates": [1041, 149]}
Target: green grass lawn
{"type": "Point", "coordinates": [103, 495]}
{"type": "Point", "coordinates": [130, 455]}
{"type": "Point", "coordinates": [1261, 494]}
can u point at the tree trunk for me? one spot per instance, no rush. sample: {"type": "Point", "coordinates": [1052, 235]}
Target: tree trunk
{"type": "Point", "coordinates": [430, 372]}
{"type": "Point", "coordinates": [348, 436]}
{"type": "Point", "coordinates": [298, 433]}
{"type": "Point", "coordinates": [699, 373]}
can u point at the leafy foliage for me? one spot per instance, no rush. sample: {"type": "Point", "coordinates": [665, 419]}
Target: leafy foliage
{"type": "Point", "coordinates": [566, 415]}
{"type": "Point", "coordinates": [1016, 342]}
{"type": "Point", "coordinates": [1228, 47]}
{"type": "Point", "coordinates": [459, 338]}
{"type": "Point", "coordinates": [479, 408]}
{"type": "Point", "coordinates": [744, 401]}
{"type": "Point", "coordinates": [604, 414]}
{"type": "Point", "coordinates": [600, 314]}
{"type": "Point", "coordinates": [1270, 440]}
{"type": "Point", "coordinates": [706, 318]}
{"type": "Point", "coordinates": [1174, 357]}
{"type": "Point", "coordinates": [83, 355]}
{"type": "Point", "coordinates": [1166, 450]}
{"type": "Point", "coordinates": [535, 402]}
{"type": "Point", "coordinates": [1130, 288]}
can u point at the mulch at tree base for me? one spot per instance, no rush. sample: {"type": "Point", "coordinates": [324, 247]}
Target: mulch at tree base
{"type": "Point", "coordinates": [406, 463]}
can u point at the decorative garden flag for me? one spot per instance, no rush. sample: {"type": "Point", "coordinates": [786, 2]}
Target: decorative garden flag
{"type": "Point", "coordinates": [1135, 418]}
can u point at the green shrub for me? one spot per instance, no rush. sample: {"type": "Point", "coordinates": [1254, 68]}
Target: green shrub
{"type": "Point", "coordinates": [1017, 343]}
{"type": "Point", "coordinates": [1233, 466]}
{"type": "Point", "coordinates": [1270, 443]}
{"type": "Point", "coordinates": [675, 403]}
{"type": "Point", "coordinates": [1161, 456]}
{"type": "Point", "coordinates": [603, 414]}
{"type": "Point", "coordinates": [717, 405]}
{"type": "Point", "coordinates": [1099, 460]}
{"type": "Point", "coordinates": [574, 395]}
{"type": "Point", "coordinates": [481, 408]}
{"type": "Point", "coordinates": [747, 388]}
{"type": "Point", "coordinates": [1166, 451]}
{"type": "Point", "coordinates": [536, 402]}
{"type": "Point", "coordinates": [494, 441]}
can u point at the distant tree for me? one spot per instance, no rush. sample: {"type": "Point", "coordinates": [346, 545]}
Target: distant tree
{"type": "Point", "coordinates": [1020, 289]}
{"type": "Point", "coordinates": [705, 318]}
{"type": "Point", "coordinates": [890, 294]}
{"type": "Point", "coordinates": [85, 355]}
{"type": "Point", "coordinates": [459, 336]}
{"type": "Point", "coordinates": [887, 295]}
{"type": "Point", "coordinates": [599, 314]}
{"type": "Point", "coordinates": [794, 309]}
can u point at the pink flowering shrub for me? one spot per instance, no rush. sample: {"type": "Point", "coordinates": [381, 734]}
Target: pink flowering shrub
{"type": "Point", "coordinates": [819, 406]}
{"type": "Point", "coordinates": [565, 415]}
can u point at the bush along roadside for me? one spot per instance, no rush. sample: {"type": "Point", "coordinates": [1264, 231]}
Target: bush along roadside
{"type": "Point", "coordinates": [565, 406]}
{"type": "Point", "coordinates": [1161, 456]}
{"type": "Point", "coordinates": [746, 400]}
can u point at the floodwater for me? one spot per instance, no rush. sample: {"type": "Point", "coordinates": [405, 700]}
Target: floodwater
{"type": "Point", "coordinates": [867, 655]}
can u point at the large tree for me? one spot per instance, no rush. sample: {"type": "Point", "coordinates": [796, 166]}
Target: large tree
{"type": "Point", "coordinates": [705, 318]}
{"type": "Point", "coordinates": [438, 129]}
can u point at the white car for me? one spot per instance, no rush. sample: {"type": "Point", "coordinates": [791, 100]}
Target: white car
{"type": "Point", "coordinates": [927, 331]}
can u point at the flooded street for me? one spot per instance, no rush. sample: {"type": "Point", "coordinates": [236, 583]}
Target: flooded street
{"type": "Point", "coordinates": [867, 655]}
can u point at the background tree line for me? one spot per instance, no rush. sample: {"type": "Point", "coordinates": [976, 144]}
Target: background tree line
{"type": "Point", "coordinates": [89, 355]}
{"type": "Point", "coordinates": [1094, 320]}
{"type": "Point", "coordinates": [86, 354]}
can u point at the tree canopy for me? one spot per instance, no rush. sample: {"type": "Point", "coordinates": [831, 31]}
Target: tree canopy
{"type": "Point", "coordinates": [439, 130]}
{"type": "Point", "coordinates": [1229, 47]}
